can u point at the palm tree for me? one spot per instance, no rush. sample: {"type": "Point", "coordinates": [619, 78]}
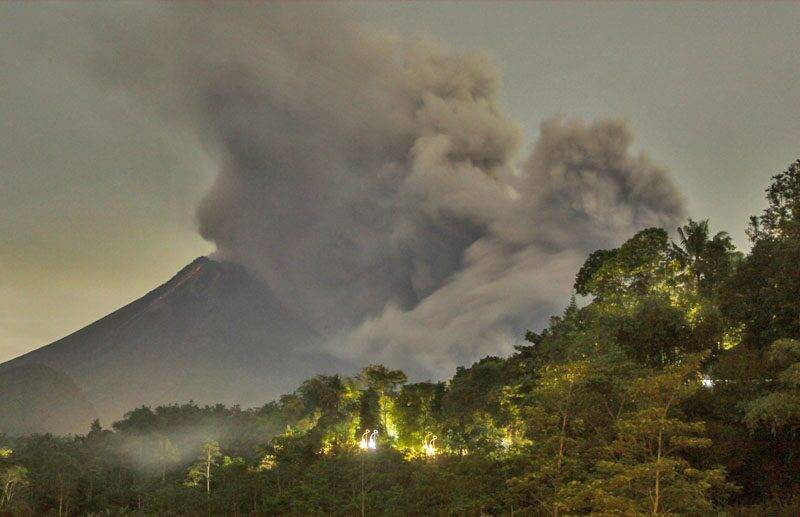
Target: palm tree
{"type": "Point", "coordinates": [704, 257]}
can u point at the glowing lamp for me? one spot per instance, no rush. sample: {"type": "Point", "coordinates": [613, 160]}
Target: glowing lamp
{"type": "Point", "coordinates": [363, 444]}
{"type": "Point", "coordinates": [430, 447]}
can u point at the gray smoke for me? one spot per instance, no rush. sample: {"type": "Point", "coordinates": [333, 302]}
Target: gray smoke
{"type": "Point", "coordinates": [374, 183]}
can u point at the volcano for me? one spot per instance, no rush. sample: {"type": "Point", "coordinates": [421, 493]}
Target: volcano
{"type": "Point", "coordinates": [213, 333]}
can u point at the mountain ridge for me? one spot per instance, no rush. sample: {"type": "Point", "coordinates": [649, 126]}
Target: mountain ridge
{"type": "Point", "coordinates": [212, 333]}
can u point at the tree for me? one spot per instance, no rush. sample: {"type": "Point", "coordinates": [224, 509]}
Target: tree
{"type": "Point", "coordinates": [235, 483]}
{"type": "Point", "coordinates": [583, 280]}
{"type": "Point", "coordinates": [571, 410]}
{"type": "Point", "coordinates": [471, 407]}
{"type": "Point", "coordinates": [778, 406]}
{"type": "Point", "coordinates": [385, 383]}
{"type": "Point", "coordinates": [417, 412]}
{"type": "Point", "coordinates": [11, 478]}
{"type": "Point", "coordinates": [652, 298]}
{"type": "Point", "coordinates": [654, 332]}
{"type": "Point", "coordinates": [167, 455]}
{"type": "Point", "coordinates": [781, 219]}
{"type": "Point", "coordinates": [762, 294]}
{"type": "Point", "coordinates": [332, 404]}
{"type": "Point", "coordinates": [642, 471]}
{"type": "Point", "coordinates": [62, 475]}
{"type": "Point", "coordinates": [201, 470]}
{"type": "Point", "coordinates": [552, 419]}
{"type": "Point", "coordinates": [369, 411]}
{"type": "Point", "coordinates": [95, 428]}
{"type": "Point", "coordinates": [708, 260]}
{"type": "Point", "coordinates": [633, 268]}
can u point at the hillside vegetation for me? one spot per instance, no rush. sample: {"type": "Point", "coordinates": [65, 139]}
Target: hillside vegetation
{"type": "Point", "coordinates": [670, 385]}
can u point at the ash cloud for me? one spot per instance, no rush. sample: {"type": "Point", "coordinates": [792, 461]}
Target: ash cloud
{"type": "Point", "coordinates": [375, 183]}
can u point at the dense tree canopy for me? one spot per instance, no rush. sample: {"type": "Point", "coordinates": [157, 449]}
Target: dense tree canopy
{"type": "Point", "coordinates": [670, 385]}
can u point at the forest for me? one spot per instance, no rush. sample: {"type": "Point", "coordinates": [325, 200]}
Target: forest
{"type": "Point", "coordinates": [669, 385]}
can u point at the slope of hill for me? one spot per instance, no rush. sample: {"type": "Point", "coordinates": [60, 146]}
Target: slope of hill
{"type": "Point", "coordinates": [213, 333]}
{"type": "Point", "coordinates": [35, 397]}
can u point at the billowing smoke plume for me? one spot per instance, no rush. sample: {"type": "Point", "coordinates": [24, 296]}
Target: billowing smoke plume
{"type": "Point", "coordinates": [375, 184]}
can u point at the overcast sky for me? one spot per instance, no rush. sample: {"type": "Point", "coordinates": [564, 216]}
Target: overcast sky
{"type": "Point", "coordinates": [98, 195]}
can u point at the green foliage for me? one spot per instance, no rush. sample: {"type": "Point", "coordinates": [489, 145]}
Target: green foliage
{"type": "Point", "coordinates": [369, 411]}
{"type": "Point", "coordinates": [589, 278]}
{"type": "Point", "coordinates": [763, 293]}
{"type": "Point", "coordinates": [471, 405]}
{"type": "Point", "coordinates": [640, 470]}
{"type": "Point", "coordinates": [654, 333]}
{"type": "Point", "coordinates": [781, 219]}
{"type": "Point", "coordinates": [602, 413]}
{"type": "Point", "coordinates": [384, 383]}
{"type": "Point", "coordinates": [381, 379]}
{"type": "Point", "coordinates": [200, 472]}
{"type": "Point", "coordinates": [168, 455]}
{"type": "Point", "coordinates": [12, 479]}
{"type": "Point", "coordinates": [554, 417]}
{"type": "Point", "coordinates": [417, 413]}
{"type": "Point", "coordinates": [635, 267]}
{"type": "Point", "coordinates": [657, 331]}
{"type": "Point", "coordinates": [707, 261]}
{"type": "Point", "coordinates": [778, 405]}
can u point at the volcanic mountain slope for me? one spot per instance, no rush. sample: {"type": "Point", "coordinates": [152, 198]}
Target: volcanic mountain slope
{"type": "Point", "coordinates": [213, 333]}
{"type": "Point", "coordinates": [34, 397]}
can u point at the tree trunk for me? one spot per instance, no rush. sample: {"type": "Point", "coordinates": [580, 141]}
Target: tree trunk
{"type": "Point", "coordinates": [8, 493]}
{"type": "Point", "coordinates": [659, 453]}
{"type": "Point", "coordinates": [657, 490]}
{"type": "Point", "coordinates": [382, 410]}
{"type": "Point", "coordinates": [208, 474]}
{"type": "Point", "coordinates": [561, 443]}
{"type": "Point", "coordinates": [363, 501]}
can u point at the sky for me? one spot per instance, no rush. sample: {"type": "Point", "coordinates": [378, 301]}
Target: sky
{"type": "Point", "coordinates": [105, 155]}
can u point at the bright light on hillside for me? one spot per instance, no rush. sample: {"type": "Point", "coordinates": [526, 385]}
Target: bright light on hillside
{"type": "Point", "coordinates": [430, 447]}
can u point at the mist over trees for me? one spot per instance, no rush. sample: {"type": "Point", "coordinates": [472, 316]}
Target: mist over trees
{"type": "Point", "coordinates": [669, 385]}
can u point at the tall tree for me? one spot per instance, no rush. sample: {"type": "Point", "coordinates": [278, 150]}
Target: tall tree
{"type": "Point", "coordinates": [472, 404]}
{"type": "Point", "coordinates": [385, 383]}
{"type": "Point", "coordinates": [206, 460]}
{"type": "Point", "coordinates": [417, 413]}
{"type": "Point", "coordinates": [781, 219]}
{"type": "Point", "coordinates": [62, 475]}
{"type": "Point", "coordinates": [778, 405]}
{"type": "Point", "coordinates": [168, 455]}
{"type": "Point", "coordinates": [762, 295]}
{"type": "Point", "coordinates": [643, 471]}
{"type": "Point", "coordinates": [552, 415]}
{"type": "Point", "coordinates": [335, 403]}
{"type": "Point", "coordinates": [634, 268]}
{"type": "Point", "coordinates": [11, 478]}
{"type": "Point", "coordinates": [708, 259]}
